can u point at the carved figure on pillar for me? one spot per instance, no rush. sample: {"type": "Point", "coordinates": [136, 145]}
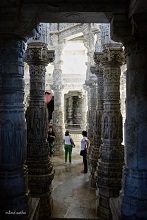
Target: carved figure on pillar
{"type": "Point", "coordinates": [41, 171]}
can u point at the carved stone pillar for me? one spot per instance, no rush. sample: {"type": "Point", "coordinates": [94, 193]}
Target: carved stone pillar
{"type": "Point", "coordinates": [77, 110]}
{"type": "Point", "coordinates": [133, 196]}
{"type": "Point", "coordinates": [97, 70]}
{"type": "Point", "coordinates": [58, 114]}
{"type": "Point", "coordinates": [15, 200]}
{"type": "Point", "coordinates": [58, 111]}
{"type": "Point", "coordinates": [40, 167]}
{"type": "Point", "coordinates": [89, 44]}
{"type": "Point", "coordinates": [92, 83]}
{"type": "Point", "coordinates": [84, 111]}
{"type": "Point", "coordinates": [69, 111]}
{"type": "Point", "coordinates": [14, 193]}
{"type": "Point", "coordinates": [109, 170]}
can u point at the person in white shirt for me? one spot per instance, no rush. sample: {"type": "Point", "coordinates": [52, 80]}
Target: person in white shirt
{"type": "Point", "coordinates": [85, 144]}
{"type": "Point", "coordinates": [68, 145]}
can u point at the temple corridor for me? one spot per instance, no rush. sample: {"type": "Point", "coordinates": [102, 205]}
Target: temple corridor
{"type": "Point", "coordinates": [72, 195]}
{"type": "Point", "coordinates": [90, 58]}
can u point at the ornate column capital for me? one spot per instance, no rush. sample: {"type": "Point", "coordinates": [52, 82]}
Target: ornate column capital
{"type": "Point", "coordinates": [98, 57]}
{"type": "Point", "coordinates": [97, 67]}
{"type": "Point", "coordinates": [39, 54]}
{"type": "Point", "coordinates": [56, 87]}
{"type": "Point", "coordinates": [91, 82]}
{"type": "Point", "coordinates": [113, 56]}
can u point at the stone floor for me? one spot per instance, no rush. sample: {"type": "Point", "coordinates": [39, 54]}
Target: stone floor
{"type": "Point", "coordinates": [72, 195]}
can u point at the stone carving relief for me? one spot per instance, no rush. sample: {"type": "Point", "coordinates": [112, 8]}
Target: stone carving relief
{"type": "Point", "coordinates": [37, 71]}
{"type": "Point", "coordinates": [63, 26]}
{"type": "Point", "coordinates": [74, 30]}
{"type": "Point", "coordinates": [54, 40]}
{"type": "Point", "coordinates": [12, 142]}
{"type": "Point", "coordinates": [39, 54]}
{"type": "Point", "coordinates": [37, 124]}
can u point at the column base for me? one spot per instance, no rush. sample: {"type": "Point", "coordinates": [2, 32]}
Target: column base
{"type": "Point", "coordinates": [92, 182]}
{"type": "Point", "coordinates": [46, 206]}
{"type": "Point", "coordinates": [102, 206]}
{"type": "Point", "coordinates": [34, 215]}
{"type": "Point", "coordinates": [58, 150]}
{"type": "Point", "coordinates": [104, 213]}
{"type": "Point", "coordinates": [116, 214]}
{"type": "Point", "coordinates": [133, 208]}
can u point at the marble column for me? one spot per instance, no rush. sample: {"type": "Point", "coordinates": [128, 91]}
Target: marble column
{"type": "Point", "coordinates": [58, 114]}
{"type": "Point", "coordinates": [69, 111]}
{"type": "Point", "coordinates": [84, 111]}
{"type": "Point", "coordinates": [77, 110]}
{"type": "Point", "coordinates": [133, 196]}
{"type": "Point", "coordinates": [40, 168]}
{"type": "Point", "coordinates": [14, 193]}
{"type": "Point", "coordinates": [98, 71]}
{"type": "Point", "coordinates": [91, 115]}
{"type": "Point", "coordinates": [90, 78]}
{"type": "Point", "coordinates": [109, 172]}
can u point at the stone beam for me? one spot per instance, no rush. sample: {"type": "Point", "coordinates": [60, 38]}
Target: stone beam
{"type": "Point", "coordinates": [58, 11]}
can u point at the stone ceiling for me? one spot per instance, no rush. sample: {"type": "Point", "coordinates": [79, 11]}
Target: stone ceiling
{"type": "Point", "coordinates": [20, 17]}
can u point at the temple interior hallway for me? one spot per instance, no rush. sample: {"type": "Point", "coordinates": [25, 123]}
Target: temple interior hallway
{"type": "Point", "coordinates": [72, 195]}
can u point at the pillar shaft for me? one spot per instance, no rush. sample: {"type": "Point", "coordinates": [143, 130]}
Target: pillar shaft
{"type": "Point", "coordinates": [97, 70]}
{"type": "Point", "coordinates": [70, 111]}
{"type": "Point", "coordinates": [133, 196]}
{"type": "Point", "coordinates": [58, 120]}
{"type": "Point", "coordinates": [77, 110]}
{"type": "Point", "coordinates": [40, 167]}
{"type": "Point", "coordinates": [58, 116]}
{"type": "Point", "coordinates": [109, 170]}
{"type": "Point", "coordinates": [14, 193]}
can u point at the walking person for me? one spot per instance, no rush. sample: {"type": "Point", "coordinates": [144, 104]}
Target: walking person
{"type": "Point", "coordinates": [51, 140]}
{"type": "Point", "coordinates": [85, 144]}
{"type": "Point", "coordinates": [68, 145]}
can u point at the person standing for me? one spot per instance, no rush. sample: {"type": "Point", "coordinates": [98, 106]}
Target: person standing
{"type": "Point", "coordinates": [51, 140]}
{"type": "Point", "coordinates": [85, 144]}
{"type": "Point", "coordinates": [68, 145]}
